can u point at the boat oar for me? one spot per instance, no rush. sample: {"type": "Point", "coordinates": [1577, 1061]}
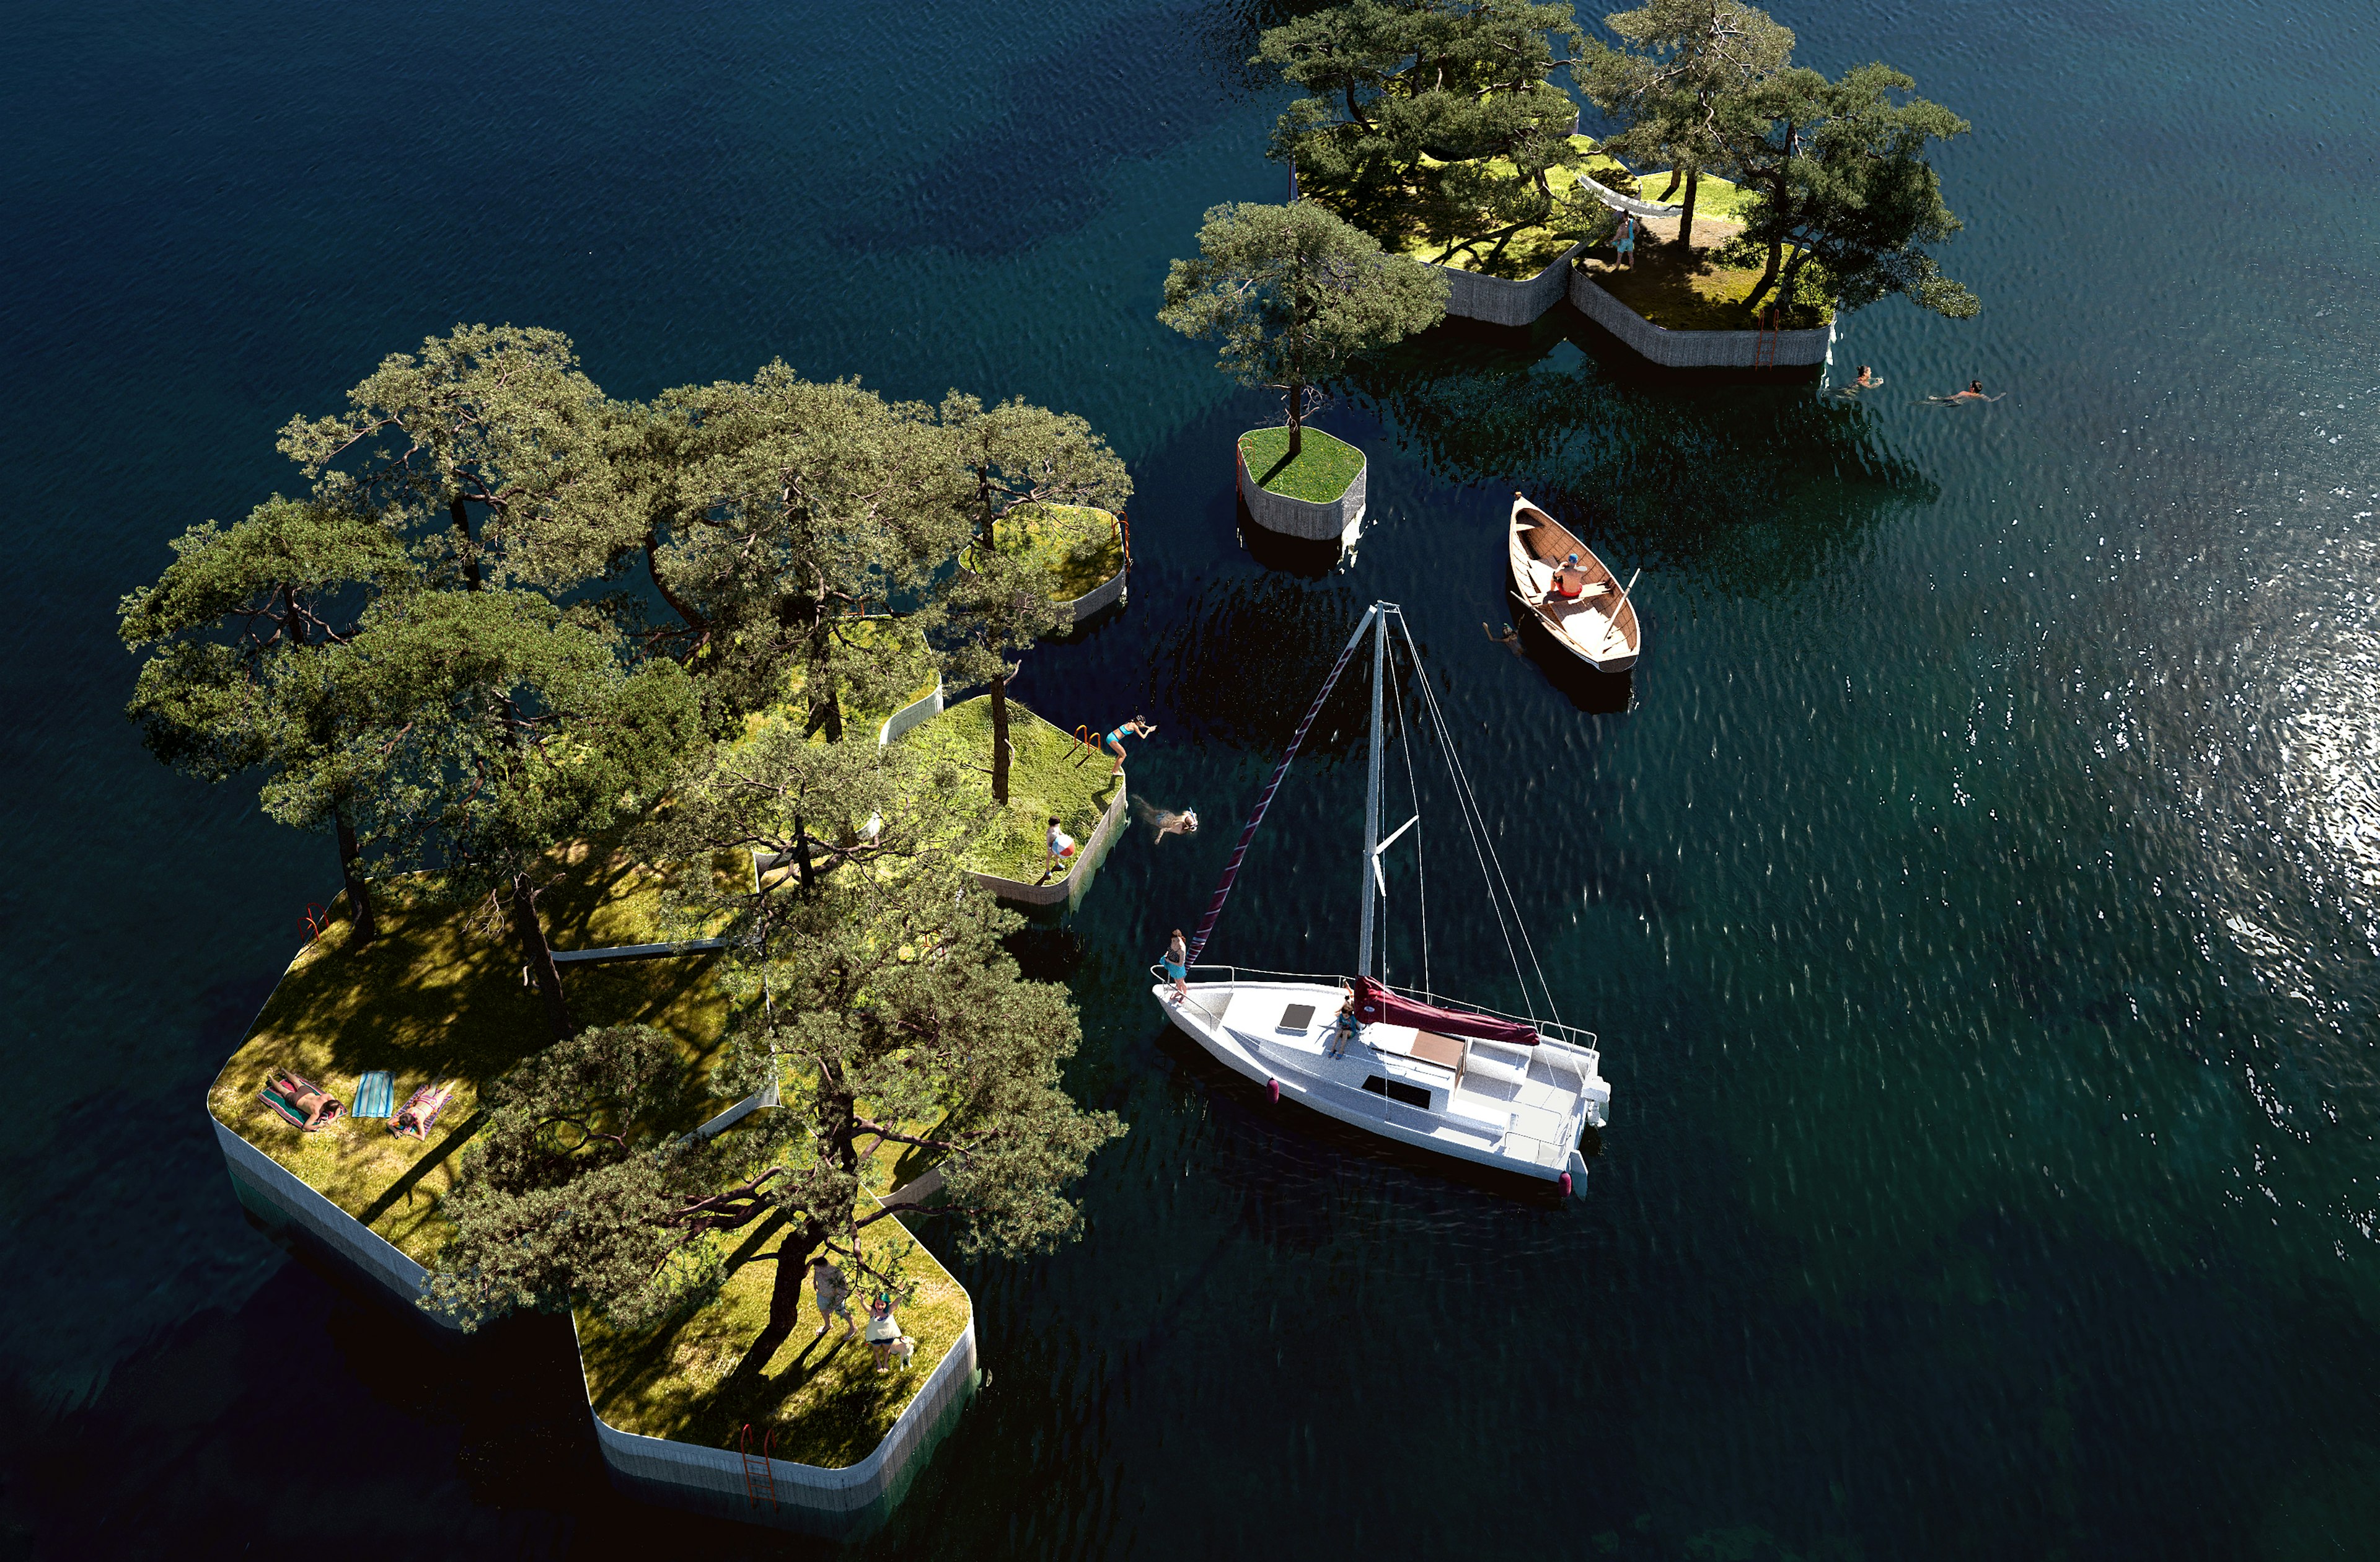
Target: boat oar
{"type": "Point", "coordinates": [1612, 624]}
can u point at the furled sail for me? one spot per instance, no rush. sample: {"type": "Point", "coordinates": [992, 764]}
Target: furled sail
{"type": "Point", "coordinates": [1376, 1005]}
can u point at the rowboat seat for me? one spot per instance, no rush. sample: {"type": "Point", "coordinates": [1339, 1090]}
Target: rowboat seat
{"type": "Point", "coordinates": [1541, 576]}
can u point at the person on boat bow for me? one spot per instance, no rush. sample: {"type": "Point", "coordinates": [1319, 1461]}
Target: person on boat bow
{"type": "Point", "coordinates": [1177, 966]}
{"type": "Point", "coordinates": [1344, 1030]}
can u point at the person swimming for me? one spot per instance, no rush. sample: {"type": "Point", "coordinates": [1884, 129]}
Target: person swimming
{"type": "Point", "coordinates": [1868, 380]}
{"type": "Point", "coordinates": [1162, 822]}
{"type": "Point", "coordinates": [1975, 391]}
{"type": "Point", "coordinates": [1510, 639]}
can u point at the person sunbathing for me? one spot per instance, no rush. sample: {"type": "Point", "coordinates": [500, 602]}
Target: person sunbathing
{"type": "Point", "coordinates": [315, 1104]}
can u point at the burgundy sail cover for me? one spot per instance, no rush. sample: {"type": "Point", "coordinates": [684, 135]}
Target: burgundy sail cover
{"type": "Point", "coordinates": [1376, 1005]}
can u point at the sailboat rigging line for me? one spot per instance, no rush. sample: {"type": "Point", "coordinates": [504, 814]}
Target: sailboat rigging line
{"type": "Point", "coordinates": [1463, 783]}
{"type": "Point", "coordinates": [1421, 880]}
{"type": "Point", "coordinates": [1264, 799]}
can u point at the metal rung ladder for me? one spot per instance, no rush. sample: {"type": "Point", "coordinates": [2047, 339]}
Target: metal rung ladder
{"type": "Point", "coordinates": [1764, 346]}
{"type": "Point", "coordinates": [759, 1481]}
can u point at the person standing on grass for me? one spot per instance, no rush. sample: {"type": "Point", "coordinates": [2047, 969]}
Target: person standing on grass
{"type": "Point", "coordinates": [1625, 247]}
{"type": "Point", "coordinates": [1061, 849]}
{"type": "Point", "coordinates": [833, 1297]}
{"type": "Point", "coordinates": [1136, 727]}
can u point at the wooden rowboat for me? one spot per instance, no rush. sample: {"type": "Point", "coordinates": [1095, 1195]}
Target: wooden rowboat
{"type": "Point", "coordinates": [1599, 624]}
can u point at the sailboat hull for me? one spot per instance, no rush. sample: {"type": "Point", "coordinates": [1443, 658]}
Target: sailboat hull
{"type": "Point", "coordinates": [1518, 1109]}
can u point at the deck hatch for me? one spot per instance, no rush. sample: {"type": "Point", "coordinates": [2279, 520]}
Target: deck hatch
{"type": "Point", "coordinates": [1411, 1095]}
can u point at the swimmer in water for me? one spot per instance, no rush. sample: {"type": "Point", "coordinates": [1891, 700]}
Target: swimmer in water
{"type": "Point", "coordinates": [1975, 391]}
{"type": "Point", "coordinates": [1868, 380]}
{"type": "Point", "coordinates": [1163, 822]}
{"type": "Point", "coordinates": [1510, 639]}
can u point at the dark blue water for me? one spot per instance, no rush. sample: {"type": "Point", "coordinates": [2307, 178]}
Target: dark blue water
{"type": "Point", "coordinates": [1975, 895]}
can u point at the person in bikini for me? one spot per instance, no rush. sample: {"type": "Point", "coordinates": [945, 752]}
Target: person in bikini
{"type": "Point", "coordinates": [1136, 727]}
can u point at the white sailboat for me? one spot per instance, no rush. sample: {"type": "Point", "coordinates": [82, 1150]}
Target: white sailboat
{"type": "Point", "coordinates": [1498, 1089]}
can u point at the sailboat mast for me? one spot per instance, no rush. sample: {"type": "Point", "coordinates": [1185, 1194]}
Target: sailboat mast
{"type": "Point", "coordinates": [1372, 795]}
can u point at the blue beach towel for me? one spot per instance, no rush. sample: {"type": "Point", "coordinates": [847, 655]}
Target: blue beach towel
{"type": "Point", "coordinates": [375, 1093]}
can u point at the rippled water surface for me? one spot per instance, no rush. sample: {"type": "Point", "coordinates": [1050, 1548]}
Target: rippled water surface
{"type": "Point", "coordinates": [1974, 890]}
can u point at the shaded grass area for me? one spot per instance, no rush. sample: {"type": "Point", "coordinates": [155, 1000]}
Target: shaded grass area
{"type": "Point", "coordinates": [703, 1377]}
{"type": "Point", "coordinates": [1514, 257]}
{"type": "Point", "coordinates": [439, 995]}
{"type": "Point", "coordinates": [1080, 545]}
{"type": "Point", "coordinates": [1051, 773]}
{"type": "Point", "coordinates": [1714, 197]}
{"type": "Point", "coordinates": [1324, 468]}
{"type": "Point", "coordinates": [1680, 289]}
{"type": "Point", "coordinates": [912, 669]}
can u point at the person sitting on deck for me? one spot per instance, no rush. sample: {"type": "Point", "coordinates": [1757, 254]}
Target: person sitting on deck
{"type": "Point", "coordinates": [1344, 1030]}
{"type": "Point", "coordinates": [1570, 581]}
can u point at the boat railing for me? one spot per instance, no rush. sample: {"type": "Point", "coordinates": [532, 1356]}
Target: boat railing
{"type": "Point", "coordinates": [1570, 1036]}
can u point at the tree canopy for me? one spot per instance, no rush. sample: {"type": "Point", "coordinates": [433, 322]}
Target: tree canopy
{"type": "Point", "coordinates": [876, 995]}
{"type": "Point", "coordinates": [1427, 121]}
{"type": "Point", "coordinates": [507, 728]}
{"type": "Point", "coordinates": [246, 632]}
{"type": "Point", "coordinates": [1294, 293]}
{"type": "Point", "coordinates": [1685, 64]}
{"type": "Point", "coordinates": [1012, 455]}
{"type": "Point", "coordinates": [1839, 172]}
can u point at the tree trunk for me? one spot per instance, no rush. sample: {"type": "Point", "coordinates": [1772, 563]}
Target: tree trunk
{"type": "Point", "coordinates": [802, 872]}
{"type": "Point", "coordinates": [351, 868]}
{"type": "Point", "coordinates": [1296, 420]}
{"type": "Point", "coordinates": [470, 549]}
{"type": "Point", "coordinates": [793, 1266]}
{"type": "Point", "coordinates": [1676, 173]}
{"type": "Point", "coordinates": [539, 955]}
{"type": "Point", "coordinates": [1768, 277]}
{"type": "Point", "coordinates": [1686, 217]}
{"type": "Point", "coordinates": [999, 740]}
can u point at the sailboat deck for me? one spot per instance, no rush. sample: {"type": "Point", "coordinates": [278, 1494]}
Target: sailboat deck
{"type": "Point", "coordinates": [1520, 1107]}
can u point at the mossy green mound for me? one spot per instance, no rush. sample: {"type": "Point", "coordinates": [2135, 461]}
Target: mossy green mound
{"type": "Point", "coordinates": [1324, 466]}
{"type": "Point", "coordinates": [1080, 546]}
{"type": "Point", "coordinates": [439, 995]}
{"type": "Point", "coordinates": [704, 1377]}
{"type": "Point", "coordinates": [1050, 772]}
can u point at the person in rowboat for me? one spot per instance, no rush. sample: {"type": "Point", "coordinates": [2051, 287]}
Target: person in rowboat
{"type": "Point", "coordinates": [1570, 581]}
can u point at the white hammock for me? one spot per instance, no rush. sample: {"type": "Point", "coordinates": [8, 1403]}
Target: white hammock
{"type": "Point", "coordinates": [1629, 204]}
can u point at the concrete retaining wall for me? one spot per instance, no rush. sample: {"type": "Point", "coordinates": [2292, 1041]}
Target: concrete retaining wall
{"type": "Point", "coordinates": [1491, 299]}
{"type": "Point", "coordinates": [843, 1504]}
{"type": "Point", "coordinates": [279, 1198]}
{"type": "Point", "coordinates": [1098, 598]}
{"type": "Point", "coordinates": [1695, 349]}
{"type": "Point", "coordinates": [1070, 888]}
{"type": "Point", "coordinates": [1340, 521]}
{"type": "Point", "coordinates": [911, 714]}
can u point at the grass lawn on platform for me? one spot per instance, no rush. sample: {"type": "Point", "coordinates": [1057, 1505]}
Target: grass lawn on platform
{"type": "Point", "coordinates": [1514, 257]}
{"type": "Point", "coordinates": [439, 995]}
{"type": "Point", "coordinates": [1079, 544]}
{"type": "Point", "coordinates": [1324, 466]}
{"type": "Point", "coordinates": [697, 1380]}
{"type": "Point", "coordinates": [1051, 773]}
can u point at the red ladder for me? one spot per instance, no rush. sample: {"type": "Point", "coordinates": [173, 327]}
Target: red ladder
{"type": "Point", "coordinates": [757, 1480]}
{"type": "Point", "coordinates": [1764, 346]}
